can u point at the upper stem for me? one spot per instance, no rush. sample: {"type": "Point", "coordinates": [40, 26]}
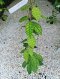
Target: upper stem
{"type": "Point", "coordinates": [30, 9]}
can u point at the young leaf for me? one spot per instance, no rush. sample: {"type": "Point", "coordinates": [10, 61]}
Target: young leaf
{"type": "Point", "coordinates": [33, 27]}
{"type": "Point", "coordinates": [39, 57]}
{"type": "Point", "coordinates": [24, 64]}
{"type": "Point", "coordinates": [31, 41]}
{"type": "Point", "coordinates": [34, 64]}
{"type": "Point", "coordinates": [36, 13]}
{"type": "Point", "coordinates": [23, 19]}
{"type": "Point", "coordinates": [26, 55]}
{"type": "Point", "coordinates": [37, 28]}
{"type": "Point", "coordinates": [29, 29]}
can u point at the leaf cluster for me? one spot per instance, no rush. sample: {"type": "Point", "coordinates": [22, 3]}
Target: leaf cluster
{"type": "Point", "coordinates": [32, 60]}
{"type": "Point", "coordinates": [2, 2]}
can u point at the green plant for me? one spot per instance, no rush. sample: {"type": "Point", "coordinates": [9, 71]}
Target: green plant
{"type": "Point", "coordinates": [1, 2]}
{"type": "Point", "coordinates": [57, 5]}
{"type": "Point", "coordinates": [2, 9]}
{"type": "Point", "coordinates": [32, 60]}
{"type": "Point", "coordinates": [53, 18]}
{"type": "Point", "coordinates": [57, 2]}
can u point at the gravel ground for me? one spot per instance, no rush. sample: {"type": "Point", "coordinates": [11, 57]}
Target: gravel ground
{"type": "Point", "coordinates": [11, 35]}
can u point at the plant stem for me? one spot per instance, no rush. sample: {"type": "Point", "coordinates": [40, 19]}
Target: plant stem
{"type": "Point", "coordinates": [30, 10]}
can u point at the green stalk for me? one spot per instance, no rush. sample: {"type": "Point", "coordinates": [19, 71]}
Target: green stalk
{"type": "Point", "coordinates": [30, 9]}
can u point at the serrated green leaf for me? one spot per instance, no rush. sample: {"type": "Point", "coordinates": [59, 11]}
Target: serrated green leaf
{"type": "Point", "coordinates": [26, 55]}
{"type": "Point", "coordinates": [33, 27]}
{"type": "Point", "coordinates": [37, 28]}
{"type": "Point", "coordinates": [24, 64]}
{"type": "Point", "coordinates": [25, 7]}
{"type": "Point", "coordinates": [36, 12]}
{"type": "Point", "coordinates": [34, 63]}
{"type": "Point", "coordinates": [23, 19]}
{"type": "Point", "coordinates": [39, 57]}
{"type": "Point", "coordinates": [31, 41]}
{"type": "Point", "coordinates": [29, 29]}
